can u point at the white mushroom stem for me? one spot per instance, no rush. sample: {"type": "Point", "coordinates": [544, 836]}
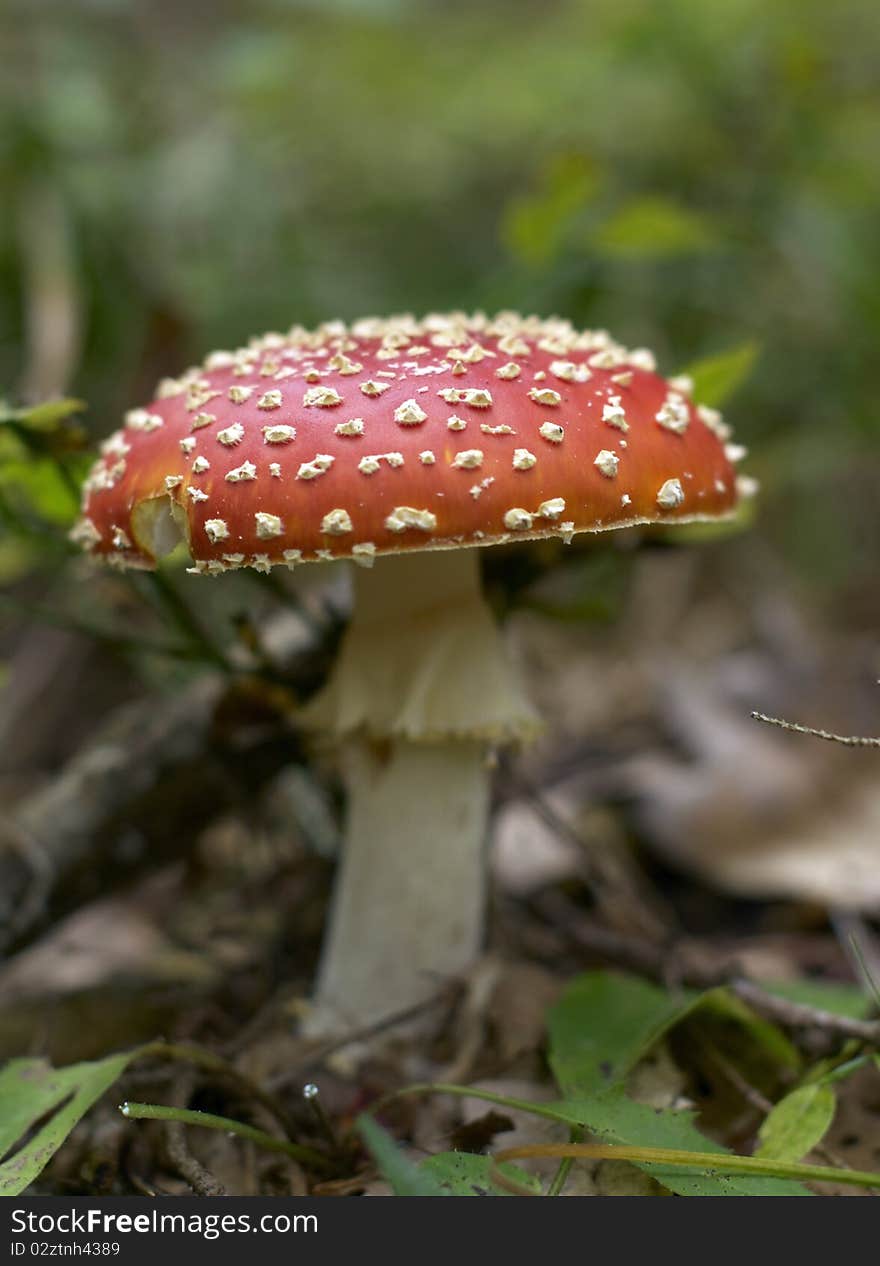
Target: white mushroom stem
{"type": "Point", "coordinates": [410, 894]}
{"type": "Point", "coordinates": [421, 692]}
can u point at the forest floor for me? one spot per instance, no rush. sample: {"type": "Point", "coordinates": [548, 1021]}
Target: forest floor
{"type": "Point", "coordinates": [677, 951]}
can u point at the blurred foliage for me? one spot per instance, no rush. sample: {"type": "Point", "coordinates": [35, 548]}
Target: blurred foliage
{"type": "Point", "coordinates": [696, 175]}
{"type": "Point", "coordinates": [716, 378]}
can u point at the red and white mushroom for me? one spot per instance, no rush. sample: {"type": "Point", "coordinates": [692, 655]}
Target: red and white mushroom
{"type": "Point", "coordinates": [400, 445]}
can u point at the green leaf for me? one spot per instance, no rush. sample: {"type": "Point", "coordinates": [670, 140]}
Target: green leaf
{"type": "Point", "coordinates": [760, 1033]}
{"type": "Point", "coordinates": [614, 1118]}
{"type": "Point", "coordinates": [17, 558]}
{"type": "Point", "coordinates": [654, 228]}
{"type": "Point", "coordinates": [586, 589]}
{"type": "Point", "coordinates": [39, 485]}
{"type": "Point", "coordinates": [605, 1022]}
{"type": "Point", "coordinates": [828, 1071]}
{"type": "Point", "coordinates": [464, 1174]}
{"type": "Point", "coordinates": [602, 1026]}
{"type": "Point", "coordinates": [713, 530]}
{"type": "Point", "coordinates": [405, 1178]}
{"type": "Point", "coordinates": [46, 416]}
{"type": "Point", "coordinates": [12, 449]}
{"type": "Point", "coordinates": [48, 1101]}
{"type": "Point", "coordinates": [537, 226]}
{"type": "Point", "coordinates": [797, 1123]}
{"type": "Point", "coordinates": [716, 378]}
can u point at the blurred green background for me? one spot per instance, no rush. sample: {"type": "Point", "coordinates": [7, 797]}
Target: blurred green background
{"type": "Point", "coordinates": [695, 175]}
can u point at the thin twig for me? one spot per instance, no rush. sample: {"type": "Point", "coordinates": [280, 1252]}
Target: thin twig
{"type": "Point", "coordinates": [193, 1171]}
{"type": "Point", "coordinates": [610, 881]}
{"type": "Point", "coordinates": [851, 740]}
{"type": "Point", "coordinates": [752, 1096]}
{"type": "Point", "coordinates": [315, 1054]}
{"type": "Point", "coordinates": [799, 1016]}
{"type": "Point", "coordinates": [653, 961]}
{"type": "Point", "coordinates": [200, 1179]}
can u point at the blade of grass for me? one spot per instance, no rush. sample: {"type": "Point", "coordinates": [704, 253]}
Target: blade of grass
{"type": "Point", "coordinates": [207, 1120]}
{"type": "Point", "coordinates": [109, 637]}
{"type": "Point", "coordinates": [718, 1162]}
{"type": "Point", "coordinates": [405, 1178]}
{"type": "Point", "coordinates": [551, 1111]}
{"type": "Point", "coordinates": [560, 1178]}
{"type": "Point", "coordinates": [581, 1114]}
{"type": "Point", "coordinates": [867, 975]}
{"type": "Point", "coordinates": [168, 597]}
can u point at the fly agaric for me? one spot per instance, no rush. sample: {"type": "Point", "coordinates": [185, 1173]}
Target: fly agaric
{"type": "Point", "coordinates": [405, 444]}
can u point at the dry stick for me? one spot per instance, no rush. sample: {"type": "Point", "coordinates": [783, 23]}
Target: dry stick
{"type": "Point", "coordinates": [754, 1098]}
{"type": "Point", "coordinates": [734, 1077]}
{"type": "Point", "coordinates": [63, 820]}
{"type": "Point", "coordinates": [653, 912]}
{"type": "Point", "coordinates": [317, 1053]}
{"type": "Point", "coordinates": [798, 1015]}
{"type": "Point", "coordinates": [209, 1062]}
{"type": "Point", "coordinates": [851, 740]}
{"type": "Point", "coordinates": [200, 1179]}
{"type": "Point", "coordinates": [653, 961]}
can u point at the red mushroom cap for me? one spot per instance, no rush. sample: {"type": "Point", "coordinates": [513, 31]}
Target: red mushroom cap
{"type": "Point", "coordinates": [397, 435]}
